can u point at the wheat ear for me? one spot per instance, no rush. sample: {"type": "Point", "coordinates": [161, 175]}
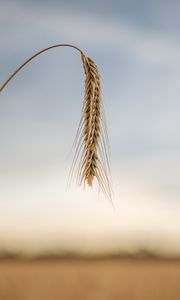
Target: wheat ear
{"type": "Point", "coordinates": [92, 139]}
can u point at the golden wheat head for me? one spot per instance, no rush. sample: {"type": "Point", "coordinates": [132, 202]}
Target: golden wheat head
{"type": "Point", "coordinates": [92, 141]}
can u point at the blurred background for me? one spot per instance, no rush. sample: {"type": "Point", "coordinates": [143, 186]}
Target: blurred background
{"type": "Point", "coordinates": [136, 45]}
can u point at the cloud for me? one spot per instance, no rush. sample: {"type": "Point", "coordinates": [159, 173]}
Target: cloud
{"type": "Point", "coordinates": [140, 70]}
{"type": "Point", "coordinates": [89, 30]}
{"type": "Point", "coordinates": [81, 230]}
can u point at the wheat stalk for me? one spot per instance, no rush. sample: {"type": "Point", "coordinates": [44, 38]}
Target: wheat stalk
{"type": "Point", "coordinates": [91, 139]}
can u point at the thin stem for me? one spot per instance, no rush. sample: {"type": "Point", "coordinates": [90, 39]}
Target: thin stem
{"type": "Point", "coordinates": [32, 57]}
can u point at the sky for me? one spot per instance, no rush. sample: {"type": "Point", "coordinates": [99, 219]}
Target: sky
{"type": "Point", "coordinates": [136, 45]}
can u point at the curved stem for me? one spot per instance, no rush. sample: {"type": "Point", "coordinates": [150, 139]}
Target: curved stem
{"type": "Point", "coordinates": [32, 57]}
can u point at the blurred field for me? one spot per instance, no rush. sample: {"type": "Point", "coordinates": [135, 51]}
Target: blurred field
{"type": "Point", "coordinates": [115, 279]}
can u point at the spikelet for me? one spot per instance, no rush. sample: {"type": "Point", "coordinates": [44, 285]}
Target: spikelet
{"type": "Point", "coordinates": [91, 139]}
